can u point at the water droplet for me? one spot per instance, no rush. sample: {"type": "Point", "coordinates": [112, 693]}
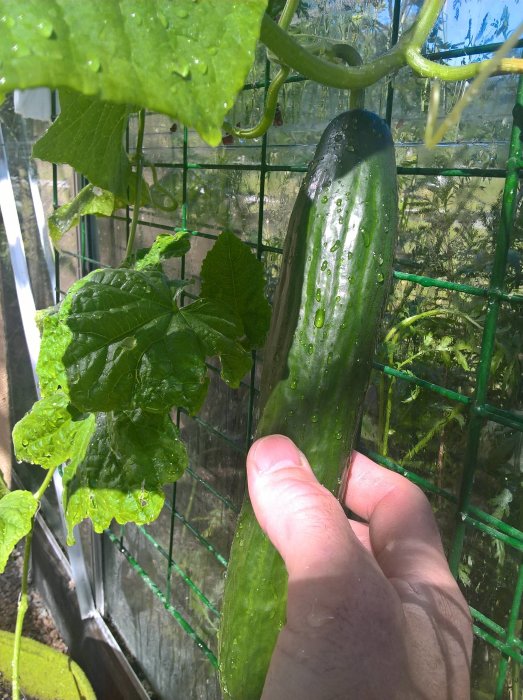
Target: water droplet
{"type": "Point", "coordinates": [45, 28]}
{"type": "Point", "coordinates": [25, 443]}
{"type": "Point", "coordinates": [335, 246]}
{"type": "Point", "coordinates": [350, 255]}
{"type": "Point", "coordinates": [318, 294]}
{"type": "Point", "coordinates": [310, 349]}
{"type": "Point", "coordinates": [323, 266]}
{"type": "Point", "coordinates": [8, 21]}
{"type": "Point", "coordinates": [163, 20]}
{"type": "Point", "coordinates": [324, 199]}
{"type": "Point", "coordinates": [380, 259]}
{"type": "Point", "coordinates": [293, 384]}
{"type": "Point", "coordinates": [182, 13]}
{"type": "Point", "coordinates": [319, 318]}
{"type": "Point", "coordinates": [181, 69]}
{"type": "Point", "coordinates": [339, 202]}
{"type": "Point", "coordinates": [338, 435]}
{"type": "Point", "coordinates": [329, 357]}
{"type": "Point", "coordinates": [340, 219]}
{"type": "Point", "coordinates": [380, 277]}
{"type": "Point", "coordinates": [329, 272]}
{"type": "Point", "coordinates": [314, 418]}
{"type": "Point", "coordinates": [93, 64]}
{"type": "Point", "coordinates": [201, 66]}
{"type": "Point", "coordinates": [212, 50]}
{"type": "Point", "coordinates": [337, 299]}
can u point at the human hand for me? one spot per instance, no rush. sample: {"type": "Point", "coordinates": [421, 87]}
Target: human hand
{"type": "Point", "coordinates": [373, 610]}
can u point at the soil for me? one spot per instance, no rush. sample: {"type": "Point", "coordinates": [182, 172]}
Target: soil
{"type": "Point", "coordinates": [38, 623]}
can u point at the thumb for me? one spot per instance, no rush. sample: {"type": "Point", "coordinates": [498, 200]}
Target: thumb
{"type": "Point", "coordinates": [303, 520]}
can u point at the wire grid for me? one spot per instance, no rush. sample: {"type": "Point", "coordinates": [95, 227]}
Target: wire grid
{"type": "Point", "coordinates": [468, 517]}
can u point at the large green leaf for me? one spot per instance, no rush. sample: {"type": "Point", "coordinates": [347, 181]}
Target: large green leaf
{"type": "Point", "coordinates": [89, 136]}
{"type": "Point", "coordinates": [16, 511]}
{"type": "Point", "coordinates": [187, 59]}
{"type": "Point", "coordinates": [45, 673]}
{"type": "Point", "coordinates": [131, 456]}
{"type": "Point", "coordinates": [132, 347]}
{"type": "Point", "coordinates": [233, 276]}
{"type": "Point", "coordinates": [114, 318]}
{"type": "Point", "coordinates": [172, 372]}
{"type": "Point", "coordinates": [47, 434]}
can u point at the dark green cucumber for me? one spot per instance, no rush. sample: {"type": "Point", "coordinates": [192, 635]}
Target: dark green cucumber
{"type": "Point", "coordinates": [336, 270]}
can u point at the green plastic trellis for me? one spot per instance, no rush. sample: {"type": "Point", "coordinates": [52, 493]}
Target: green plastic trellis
{"type": "Point", "coordinates": [468, 517]}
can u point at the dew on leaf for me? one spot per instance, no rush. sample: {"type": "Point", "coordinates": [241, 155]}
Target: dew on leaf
{"type": "Point", "coordinates": [45, 28]}
{"type": "Point", "coordinates": [319, 318]}
{"type": "Point", "coordinates": [8, 21]}
{"type": "Point", "coordinates": [318, 294]}
{"type": "Point", "coordinates": [324, 199]}
{"type": "Point", "coordinates": [310, 349]}
{"type": "Point", "coordinates": [182, 13]}
{"type": "Point", "coordinates": [93, 64]}
{"type": "Point", "coordinates": [380, 277]}
{"type": "Point", "coordinates": [314, 418]}
{"type": "Point", "coordinates": [336, 245]}
{"type": "Point", "coordinates": [163, 20]}
{"type": "Point", "coordinates": [323, 266]}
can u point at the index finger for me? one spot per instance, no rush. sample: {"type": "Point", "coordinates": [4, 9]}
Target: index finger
{"type": "Point", "coordinates": [403, 532]}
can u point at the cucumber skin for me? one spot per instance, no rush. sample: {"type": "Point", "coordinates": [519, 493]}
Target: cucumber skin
{"type": "Point", "coordinates": [340, 241]}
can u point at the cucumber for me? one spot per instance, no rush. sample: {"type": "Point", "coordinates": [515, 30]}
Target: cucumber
{"type": "Point", "coordinates": [336, 271]}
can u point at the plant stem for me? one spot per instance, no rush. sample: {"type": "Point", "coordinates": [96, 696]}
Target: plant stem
{"type": "Point", "coordinates": [269, 112]}
{"type": "Point", "coordinates": [22, 609]}
{"type": "Point", "coordinates": [425, 22]}
{"type": "Point", "coordinates": [429, 69]}
{"type": "Point", "coordinates": [23, 601]}
{"type": "Point", "coordinates": [288, 13]}
{"type": "Point", "coordinates": [292, 54]}
{"type": "Point", "coordinates": [406, 52]}
{"type": "Point", "coordinates": [138, 186]}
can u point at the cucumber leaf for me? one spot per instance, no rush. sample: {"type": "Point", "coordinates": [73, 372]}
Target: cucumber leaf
{"type": "Point", "coordinates": [172, 372]}
{"type": "Point", "coordinates": [131, 456]}
{"type": "Point", "coordinates": [186, 59]}
{"type": "Point", "coordinates": [232, 275]}
{"type": "Point", "coordinates": [89, 136]}
{"type": "Point", "coordinates": [16, 512]}
{"type": "Point", "coordinates": [122, 354]}
{"type": "Point", "coordinates": [90, 200]}
{"type": "Point", "coordinates": [56, 337]}
{"type": "Point", "coordinates": [47, 435]}
{"type": "Point", "coordinates": [165, 246]}
{"type": "Point", "coordinates": [221, 333]}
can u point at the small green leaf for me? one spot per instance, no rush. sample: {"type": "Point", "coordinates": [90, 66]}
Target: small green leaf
{"type": "Point", "coordinates": [90, 200]}
{"type": "Point", "coordinates": [47, 434]}
{"type": "Point", "coordinates": [186, 59]}
{"type": "Point", "coordinates": [220, 332]}
{"type": "Point", "coordinates": [164, 247]}
{"type": "Point", "coordinates": [88, 135]}
{"type": "Point", "coordinates": [232, 276]}
{"type": "Point", "coordinates": [131, 456]}
{"type": "Point", "coordinates": [16, 512]}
